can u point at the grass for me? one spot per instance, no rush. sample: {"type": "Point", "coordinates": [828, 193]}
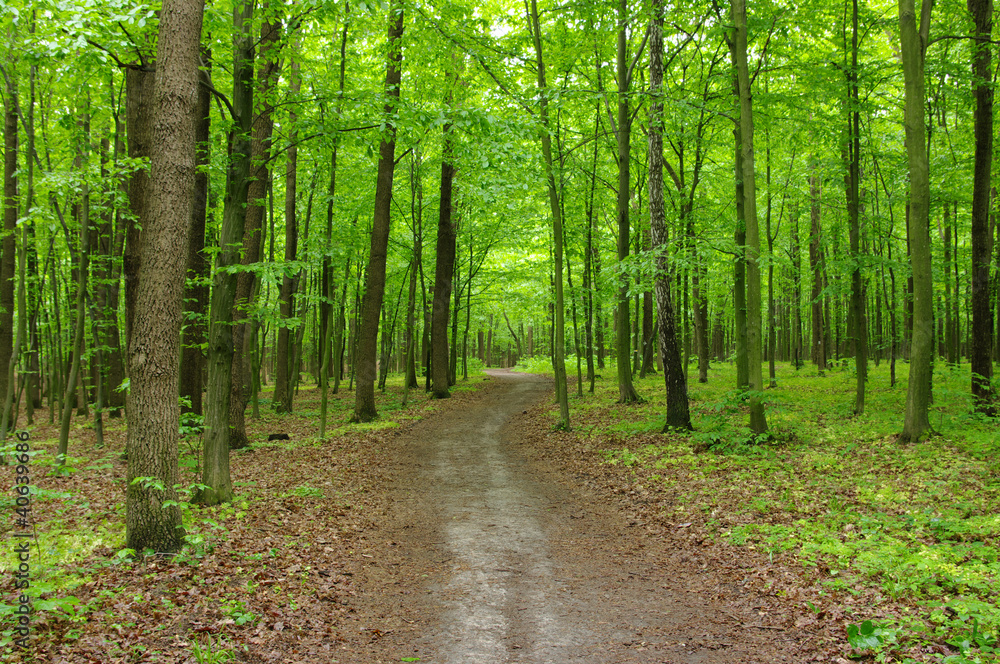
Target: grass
{"type": "Point", "coordinates": [912, 530]}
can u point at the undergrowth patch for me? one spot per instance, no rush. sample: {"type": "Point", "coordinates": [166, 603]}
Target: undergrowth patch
{"type": "Point", "coordinates": [905, 539]}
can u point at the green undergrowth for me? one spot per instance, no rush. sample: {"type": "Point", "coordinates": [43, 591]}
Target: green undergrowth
{"type": "Point", "coordinates": [77, 514]}
{"type": "Point", "coordinates": [909, 529]}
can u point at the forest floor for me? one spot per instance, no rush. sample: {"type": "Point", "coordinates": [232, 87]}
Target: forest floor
{"type": "Point", "coordinates": [464, 530]}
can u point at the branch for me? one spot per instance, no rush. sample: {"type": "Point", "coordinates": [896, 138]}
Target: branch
{"type": "Point", "coordinates": [123, 65]}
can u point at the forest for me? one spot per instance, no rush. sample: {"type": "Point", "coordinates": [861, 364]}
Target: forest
{"type": "Point", "coordinates": [219, 216]}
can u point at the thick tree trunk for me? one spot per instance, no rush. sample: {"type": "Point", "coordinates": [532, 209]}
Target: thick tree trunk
{"type": "Point", "coordinates": [758, 421]}
{"type": "Point", "coordinates": [364, 397]}
{"type": "Point", "coordinates": [139, 125]}
{"type": "Point", "coordinates": [982, 316]}
{"type": "Point", "coordinates": [154, 349]}
{"type": "Point", "coordinates": [913, 44]}
{"type": "Point", "coordinates": [678, 414]}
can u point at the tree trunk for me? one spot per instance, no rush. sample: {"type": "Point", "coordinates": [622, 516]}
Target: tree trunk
{"type": "Point", "coordinates": [154, 349]}
{"type": "Point", "coordinates": [626, 391]}
{"type": "Point", "coordinates": [678, 414]}
{"type": "Point", "coordinates": [758, 421]}
{"type": "Point", "coordinates": [82, 268]}
{"type": "Point", "coordinates": [982, 316]}
{"type": "Point", "coordinates": [913, 44]}
{"type": "Point", "coordinates": [8, 249]}
{"type": "Point", "coordinates": [139, 125]}
{"type": "Point", "coordinates": [859, 331]}
{"type": "Point", "coordinates": [243, 382]}
{"type": "Point", "coordinates": [283, 369]}
{"type": "Point", "coordinates": [192, 353]}
{"type": "Point", "coordinates": [364, 404]}
{"type": "Point", "coordinates": [444, 267]}
{"type": "Point", "coordinates": [815, 260]}
{"type": "Point", "coordinates": [558, 332]}
{"type": "Point", "coordinates": [215, 445]}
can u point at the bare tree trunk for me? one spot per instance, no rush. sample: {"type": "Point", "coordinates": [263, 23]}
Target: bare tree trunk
{"type": "Point", "coordinates": [626, 391]}
{"type": "Point", "coordinates": [154, 349]}
{"type": "Point", "coordinates": [215, 440]}
{"type": "Point", "coordinates": [815, 263]}
{"type": "Point", "coordinates": [8, 249]}
{"type": "Point", "coordinates": [860, 330]}
{"type": "Point", "coordinates": [758, 421]}
{"type": "Point", "coordinates": [913, 45]}
{"type": "Point", "coordinates": [678, 414]}
{"type": "Point", "coordinates": [192, 355]}
{"type": "Point", "coordinates": [364, 403]}
{"type": "Point", "coordinates": [982, 316]}
{"type": "Point", "coordinates": [283, 370]}
{"type": "Point", "coordinates": [444, 266]}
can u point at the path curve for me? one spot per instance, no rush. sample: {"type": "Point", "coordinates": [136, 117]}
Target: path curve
{"type": "Point", "coordinates": [489, 559]}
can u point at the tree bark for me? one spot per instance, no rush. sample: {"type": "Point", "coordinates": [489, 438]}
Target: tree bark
{"type": "Point", "coordinates": [859, 331]}
{"type": "Point", "coordinates": [981, 349]}
{"type": "Point", "coordinates": [283, 370]}
{"type": "Point", "coordinates": [558, 333]}
{"type": "Point", "coordinates": [154, 349]}
{"type": "Point", "coordinates": [215, 440]}
{"type": "Point", "coordinates": [192, 353]}
{"type": "Point", "coordinates": [371, 307]}
{"type": "Point", "coordinates": [139, 118]}
{"type": "Point", "coordinates": [758, 421]}
{"type": "Point", "coordinates": [913, 45]}
{"type": "Point", "coordinates": [678, 414]}
{"type": "Point", "coordinates": [444, 267]}
{"type": "Point", "coordinates": [8, 248]}
{"type": "Point", "coordinates": [815, 263]}
{"type": "Point", "coordinates": [626, 391]}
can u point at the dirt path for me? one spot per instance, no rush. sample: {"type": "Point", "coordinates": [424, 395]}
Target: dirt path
{"type": "Point", "coordinates": [492, 555]}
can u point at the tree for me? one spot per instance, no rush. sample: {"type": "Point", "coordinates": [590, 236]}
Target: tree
{"type": "Point", "coordinates": [215, 441]}
{"type": "Point", "coordinates": [152, 521]}
{"type": "Point", "coordinates": [558, 361]}
{"type": "Point", "coordinates": [860, 333]}
{"type": "Point", "coordinates": [913, 47]}
{"type": "Point", "coordinates": [371, 306]}
{"type": "Point", "coordinates": [626, 391]}
{"type": "Point", "coordinates": [678, 415]}
{"type": "Point", "coordinates": [982, 314]}
{"type": "Point", "coordinates": [445, 265]}
{"type": "Point", "coordinates": [758, 421]}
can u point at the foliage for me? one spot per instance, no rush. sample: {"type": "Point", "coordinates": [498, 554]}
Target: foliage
{"type": "Point", "coordinates": [911, 529]}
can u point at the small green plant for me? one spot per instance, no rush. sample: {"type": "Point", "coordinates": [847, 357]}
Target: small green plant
{"type": "Point", "coordinates": [303, 492]}
{"type": "Point", "coordinates": [974, 641]}
{"type": "Point", "coordinates": [239, 613]}
{"type": "Point", "coordinates": [870, 637]}
{"type": "Point", "coordinates": [211, 652]}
